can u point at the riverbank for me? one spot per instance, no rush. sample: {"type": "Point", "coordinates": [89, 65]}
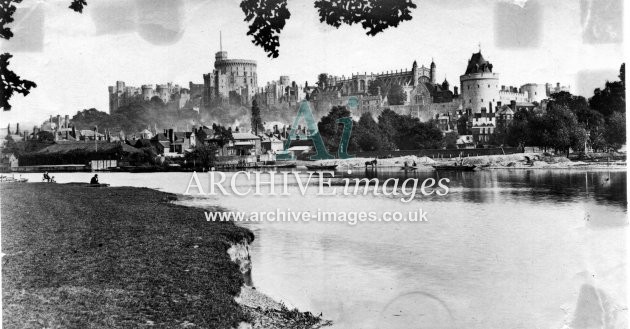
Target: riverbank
{"type": "Point", "coordinates": [77, 257]}
{"type": "Point", "coordinates": [507, 161]}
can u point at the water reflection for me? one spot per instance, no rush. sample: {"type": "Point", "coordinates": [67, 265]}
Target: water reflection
{"type": "Point", "coordinates": [504, 249]}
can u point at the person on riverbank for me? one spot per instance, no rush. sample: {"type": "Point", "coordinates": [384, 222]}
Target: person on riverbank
{"type": "Point", "coordinates": [46, 177]}
{"type": "Point", "coordinates": [94, 179]}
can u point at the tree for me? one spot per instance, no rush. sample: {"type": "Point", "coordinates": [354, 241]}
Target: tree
{"type": "Point", "coordinates": [367, 134]}
{"type": "Point", "coordinates": [615, 134]}
{"type": "Point", "coordinates": [374, 15]}
{"type": "Point", "coordinates": [388, 123]}
{"type": "Point", "coordinates": [518, 131]}
{"type": "Point", "coordinates": [407, 133]}
{"type": "Point", "coordinates": [396, 95]}
{"type": "Point", "coordinates": [322, 80]}
{"type": "Point", "coordinates": [266, 20]}
{"type": "Point", "coordinates": [203, 155]}
{"type": "Point", "coordinates": [376, 87]}
{"type": "Point", "coordinates": [11, 83]}
{"type": "Point", "coordinates": [256, 121]}
{"type": "Point", "coordinates": [450, 140]}
{"type": "Point", "coordinates": [222, 136]}
{"type": "Point", "coordinates": [613, 97]}
{"type": "Point", "coordinates": [462, 125]}
{"type": "Point", "coordinates": [579, 137]}
{"type": "Point", "coordinates": [561, 126]}
{"type": "Point", "coordinates": [11, 146]}
{"type": "Point", "coordinates": [77, 5]}
{"type": "Point", "coordinates": [330, 130]}
{"type": "Point", "coordinates": [40, 140]}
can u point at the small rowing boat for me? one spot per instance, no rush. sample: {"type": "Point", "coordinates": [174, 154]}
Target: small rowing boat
{"type": "Point", "coordinates": [321, 167]}
{"type": "Point", "coordinates": [455, 167]}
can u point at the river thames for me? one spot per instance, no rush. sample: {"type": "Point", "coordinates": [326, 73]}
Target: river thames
{"type": "Point", "coordinates": [502, 249]}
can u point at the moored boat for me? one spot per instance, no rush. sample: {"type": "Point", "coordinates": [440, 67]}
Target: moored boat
{"type": "Point", "coordinates": [321, 167]}
{"type": "Point", "coordinates": [455, 167]}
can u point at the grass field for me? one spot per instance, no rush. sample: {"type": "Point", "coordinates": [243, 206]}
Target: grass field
{"type": "Point", "coordinates": [82, 257]}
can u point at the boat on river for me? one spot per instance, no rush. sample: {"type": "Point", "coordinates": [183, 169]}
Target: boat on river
{"type": "Point", "coordinates": [321, 167]}
{"type": "Point", "coordinates": [455, 167]}
{"type": "Point", "coordinates": [11, 179]}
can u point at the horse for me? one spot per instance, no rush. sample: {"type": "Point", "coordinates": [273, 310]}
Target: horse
{"type": "Point", "coordinates": [371, 163]}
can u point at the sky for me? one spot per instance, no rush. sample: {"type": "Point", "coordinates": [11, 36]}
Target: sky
{"type": "Point", "coordinates": [74, 57]}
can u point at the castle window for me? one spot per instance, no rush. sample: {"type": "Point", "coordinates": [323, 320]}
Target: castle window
{"type": "Point", "coordinates": [488, 86]}
{"type": "Point", "coordinates": [477, 86]}
{"type": "Point", "coordinates": [482, 100]}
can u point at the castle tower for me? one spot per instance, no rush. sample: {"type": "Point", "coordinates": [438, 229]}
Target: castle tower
{"type": "Point", "coordinates": [432, 74]}
{"type": "Point", "coordinates": [479, 85]}
{"type": "Point", "coordinates": [415, 73]}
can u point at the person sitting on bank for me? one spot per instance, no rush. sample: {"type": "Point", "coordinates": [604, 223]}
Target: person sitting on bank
{"type": "Point", "coordinates": [94, 179]}
{"type": "Point", "coordinates": [46, 177]}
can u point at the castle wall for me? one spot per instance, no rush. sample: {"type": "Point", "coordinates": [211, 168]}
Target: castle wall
{"type": "Point", "coordinates": [507, 96]}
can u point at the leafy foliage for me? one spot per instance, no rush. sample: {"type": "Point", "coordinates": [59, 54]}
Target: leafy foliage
{"type": "Point", "coordinates": [450, 140]}
{"type": "Point", "coordinates": [396, 95]}
{"type": "Point", "coordinates": [136, 117]}
{"type": "Point", "coordinates": [321, 80]}
{"type": "Point", "coordinates": [375, 87]}
{"type": "Point", "coordinates": [11, 83]}
{"type": "Point", "coordinates": [6, 17]}
{"type": "Point", "coordinates": [374, 15]}
{"type": "Point", "coordinates": [331, 130]}
{"type": "Point", "coordinates": [267, 18]}
{"type": "Point", "coordinates": [77, 5]}
{"type": "Point", "coordinates": [256, 120]}
{"type": "Point", "coordinates": [616, 130]}
{"type": "Point", "coordinates": [367, 134]}
{"type": "Point", "coordinates": [203, 155]}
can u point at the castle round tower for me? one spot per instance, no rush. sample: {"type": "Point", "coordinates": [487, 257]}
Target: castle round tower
{"type": "Point", "coordinates": [237, 75]}
{"type": "Point", "coordinates": [147, 92]}
{"type": "Point", "coordinates": [479, 85]}
{"type": "Point", "coordinates": [535, 92]}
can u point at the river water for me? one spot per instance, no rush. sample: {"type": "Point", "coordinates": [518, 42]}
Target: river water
{"type": "Point", "coordinates": [503, 249]}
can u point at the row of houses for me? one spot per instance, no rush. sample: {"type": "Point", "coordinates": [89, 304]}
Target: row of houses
{"type": "Point", "coordinates": [103, 150]}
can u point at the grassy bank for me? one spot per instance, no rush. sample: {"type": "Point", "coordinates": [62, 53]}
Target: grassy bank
{"type": "Point", "coordinates": [79, 257]}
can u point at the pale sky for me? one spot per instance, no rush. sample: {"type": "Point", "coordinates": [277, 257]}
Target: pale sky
{"type": "Point", "coordinates": [74, 57]}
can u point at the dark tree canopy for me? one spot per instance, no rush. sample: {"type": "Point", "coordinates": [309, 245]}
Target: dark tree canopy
{"type": "Point", "coordinates": [374, 15]}
{"type": "Point", "coordinates": [375, 87]}
{"type": "Point", "coordinates": [396, 95]}
{"type": "Point", "coordinates": [266, 19]}
{"type": "Point", "coordinates": [77, 5]}
{"type": "Point", "coordinates": [322, 79]}
{"type": "Point", "coordinates": [11, 83]}
{"type": "Point", "coordinates": [6, 16]}
{"type": "Point", "coordinates": [256, 122]}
